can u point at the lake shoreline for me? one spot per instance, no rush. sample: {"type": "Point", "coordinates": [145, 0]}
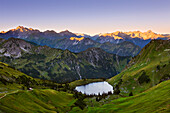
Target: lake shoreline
{"type": "Point", "coordinates": [81, 82]}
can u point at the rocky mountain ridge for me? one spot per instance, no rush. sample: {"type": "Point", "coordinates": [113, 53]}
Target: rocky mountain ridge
{"type": "Point", "coordinates": [81, 44]}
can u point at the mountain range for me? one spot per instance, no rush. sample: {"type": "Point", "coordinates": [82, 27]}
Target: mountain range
{"type": "Point", "coordinates": [120, 43]}
{"type": "Point", "coordinates": [81, 44]}
{"type": "Point", "coordinates": [59, 65]}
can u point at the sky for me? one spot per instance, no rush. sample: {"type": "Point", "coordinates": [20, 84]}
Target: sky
{"type": "Point", "coordinates": [86, 16]}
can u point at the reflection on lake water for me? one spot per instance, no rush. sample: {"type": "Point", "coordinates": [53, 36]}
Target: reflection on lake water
{"type": "Point", "coordinates": [95, 88]}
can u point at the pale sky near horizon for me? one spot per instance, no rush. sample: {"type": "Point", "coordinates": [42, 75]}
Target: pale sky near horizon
{"type": "Point", "coordinates": [86, 16]}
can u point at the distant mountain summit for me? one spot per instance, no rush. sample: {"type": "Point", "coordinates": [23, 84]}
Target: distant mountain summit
{"type": "Point", "coordinates": [145, 35]}
{"type": "Point", "coordinates": [133, 34]}
{"type": "Point", "coordinates": [67, 34]}
{"type": "Point", "coordinates": [19, 32]}
{"type": "Point", "coordinates": [23, 29]}
{"type": "Point", "coordinates": [136, 37]}
{"type": "Point", "coordinates": [19, 29]}
{"type": "Point", "coordinates": [82, 35]}
{"type": "Point", "coordinates": [26, 33]}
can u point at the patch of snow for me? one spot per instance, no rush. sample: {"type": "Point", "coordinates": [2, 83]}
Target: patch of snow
{"type": "Point", "coordinates": [2, 50]}
{"type": "Point", "coordinates": [134, 42]}
{"type": "Point", "coordinates": [117, 41]}
{"type": "Point", "coordinates": [75, 43]}
{"type": "Point", "coordinates": [78, 71]}
{"type": "Point", "coordinates": [24, 49]}
{"type": "Point", "coordinates": [7, 54]}
{"type": "Point", "coordinates": [19, 55]}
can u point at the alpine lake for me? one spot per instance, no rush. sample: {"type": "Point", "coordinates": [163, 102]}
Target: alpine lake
{"type": "Point", "coordinates": [95, 88]}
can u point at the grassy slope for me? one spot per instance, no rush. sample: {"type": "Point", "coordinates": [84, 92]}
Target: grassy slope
{"type": "Point", "coordinates": [43, 100]}
{"type": "Point", "coordinates": [11, 79]}
{"type": "Point", "coordinates": [14, 99]}
{"type": "Point", "coordinates": [156, 99]}
{"type": "Point", "coordinates": [9, 74]}
{"type": "Point", "coordinates": [153, 62]}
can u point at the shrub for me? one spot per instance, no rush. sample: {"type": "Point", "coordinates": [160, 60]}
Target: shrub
{"type": "Point", "coordinates": [1, 67]}
{"type": "Point", "coordinates": [116, 90]}
{"type": "Point", "coordinates": [143, 78]}
{"type": "Point", "coordinates": [158, 67]}
{"type": "Point", "coordinates": [165, 77]}
{"type": "Point", "coordinates": [130, 94]}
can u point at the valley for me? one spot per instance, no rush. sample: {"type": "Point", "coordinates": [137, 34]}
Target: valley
{"type": "Point", "coordinates": [144, 80]}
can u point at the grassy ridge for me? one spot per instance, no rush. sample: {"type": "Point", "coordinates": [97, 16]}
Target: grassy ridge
{"type": "Point", "coordinates": [150, 67]}
{"type": "Point", "coordinates": [44, 100]}
{"type": "Point", "coordinates": [156, 99]}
